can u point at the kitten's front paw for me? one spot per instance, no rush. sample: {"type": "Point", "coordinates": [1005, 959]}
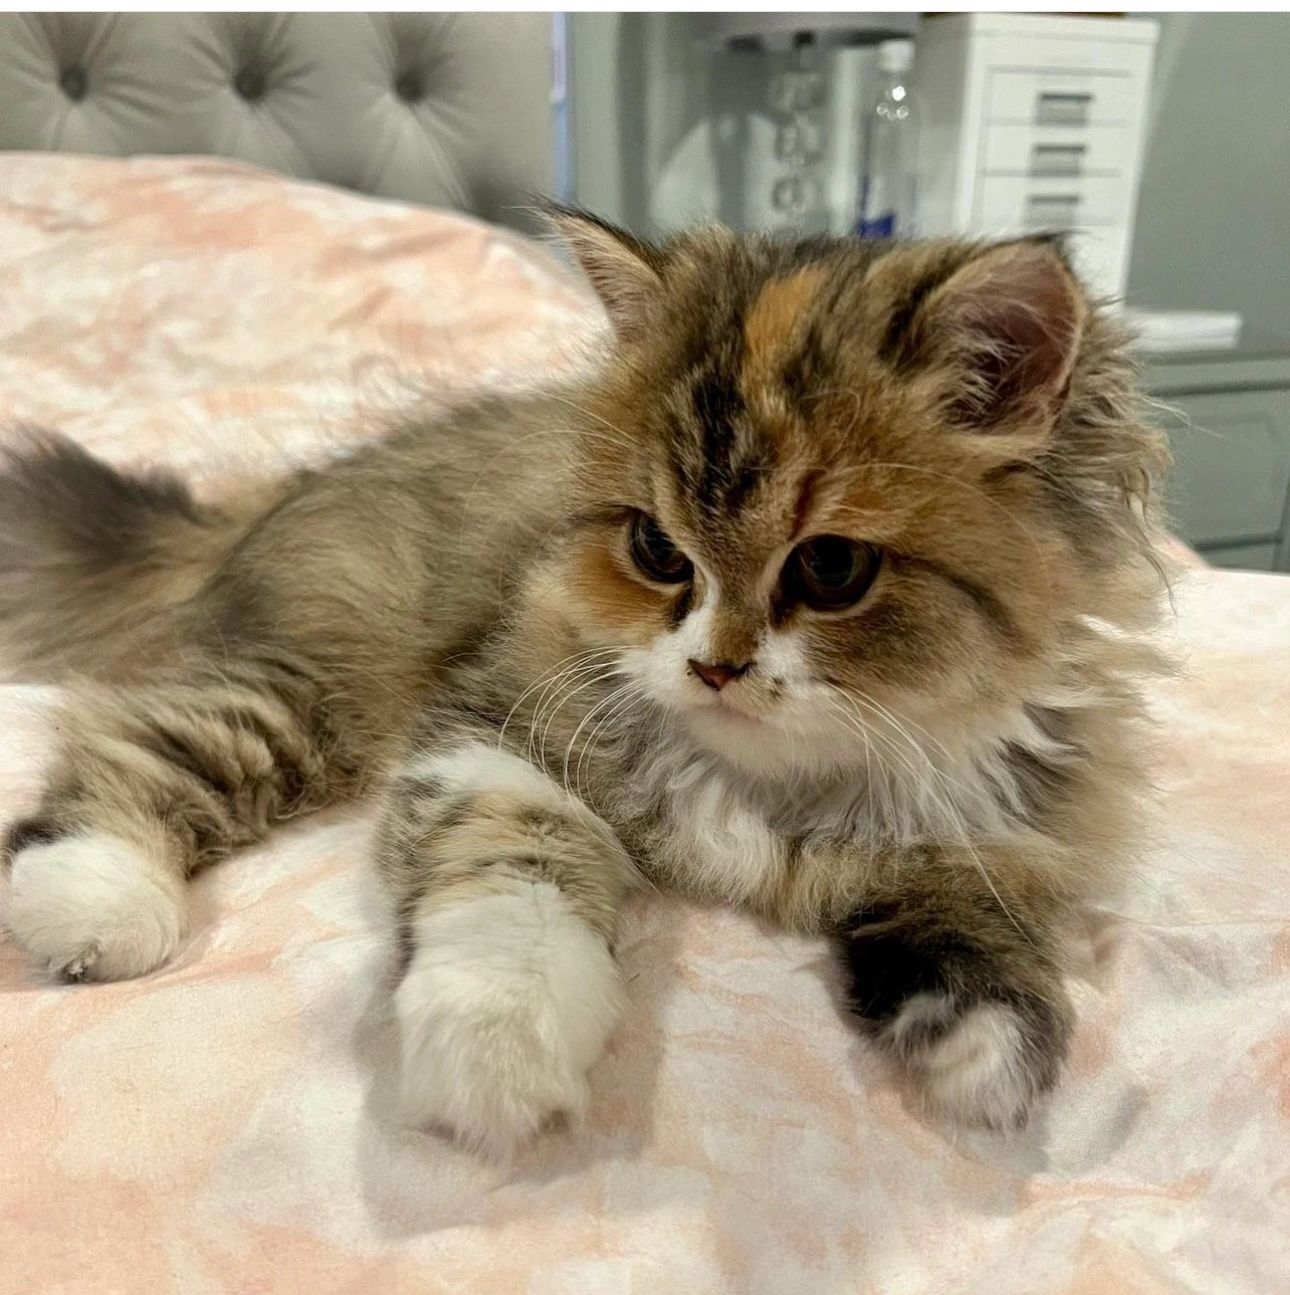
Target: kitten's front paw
{"type": "Point", "coordinates": [94, 907]}
{"type": "Point", "coordinates": [507, 1003]}
{"type": "Point", "coordinates": [979, 1064]}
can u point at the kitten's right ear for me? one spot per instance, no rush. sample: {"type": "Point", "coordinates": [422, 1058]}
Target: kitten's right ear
{"type": "Point", "coordinates": [624, 271]}
{"type": "Point", "coordinates": [1003, 332]}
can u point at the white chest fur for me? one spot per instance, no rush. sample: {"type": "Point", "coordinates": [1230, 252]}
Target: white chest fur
{"type": "Point", "coordinates": [721, 844]}
{"type": "Point", "coordinates": [732, 841]}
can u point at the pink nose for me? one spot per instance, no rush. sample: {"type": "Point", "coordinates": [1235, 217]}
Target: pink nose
{"type": "Point", "coordinates": [716, 674]}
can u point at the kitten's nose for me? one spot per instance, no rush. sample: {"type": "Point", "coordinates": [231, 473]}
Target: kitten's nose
{"type": "Point", "coordinates": [716, 674]}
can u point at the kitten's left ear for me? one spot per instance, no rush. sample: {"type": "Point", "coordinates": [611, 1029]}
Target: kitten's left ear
{"type": "Point", "coordinates": [1009, 324]}
{"type": "Point", "coordinates": [624, 271]}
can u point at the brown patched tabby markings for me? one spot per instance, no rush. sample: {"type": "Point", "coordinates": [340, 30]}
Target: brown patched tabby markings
{"type": "Point", "coordinates": [773, 325]}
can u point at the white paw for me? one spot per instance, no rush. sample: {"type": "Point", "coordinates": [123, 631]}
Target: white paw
{"type": "Point", "coordinates": [976, 1066]}
{"type": "Point", "coordinates": [507, 1003]}
{"type": "Point", "coordinates": [94, 907]}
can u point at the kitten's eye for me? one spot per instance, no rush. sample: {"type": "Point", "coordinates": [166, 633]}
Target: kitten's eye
{"type": "Point", "coordinates": [655, 554]}
{"type": "Point", "coordinates": [829, 572]}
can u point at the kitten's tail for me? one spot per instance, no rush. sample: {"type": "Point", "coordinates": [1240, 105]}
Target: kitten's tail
{"type": "Point", "coordinates": [96, 566]}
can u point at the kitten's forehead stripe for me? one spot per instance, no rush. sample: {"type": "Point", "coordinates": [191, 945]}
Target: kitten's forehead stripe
{"type": "Point", "coordinates": [770, 338]}
{"type": "Point", "coordinates": [717, 405]}
{"type": "Point", "coordinates": [784, 345]}
{"type": "Point", "coordinates": [732, 453]}
{"type": "Point", "coordinates": [776, 318]}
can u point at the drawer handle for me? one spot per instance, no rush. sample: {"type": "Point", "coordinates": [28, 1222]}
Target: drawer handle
{"type": "Point", "coordinates": [1063, 108]}
{"type": "Point", "coordinates": [1058, 159]}
{"type": "Point", "coordinates": [1049, 210]}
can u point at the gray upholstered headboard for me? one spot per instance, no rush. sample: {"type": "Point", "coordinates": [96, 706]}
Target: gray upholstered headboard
{"type": "Point", "coordinates": [444, 109]}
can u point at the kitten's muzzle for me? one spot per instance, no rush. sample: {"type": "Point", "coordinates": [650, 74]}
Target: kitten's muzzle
{"type": "Point", "coordinates": [716, 674]}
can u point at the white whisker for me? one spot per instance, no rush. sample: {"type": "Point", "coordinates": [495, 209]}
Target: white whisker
{"type": "Point", "coordinates": [565, 662]}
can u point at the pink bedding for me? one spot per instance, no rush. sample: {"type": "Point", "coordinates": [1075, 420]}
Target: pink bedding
{"type": "Point", "coordinates": [223, 1126]}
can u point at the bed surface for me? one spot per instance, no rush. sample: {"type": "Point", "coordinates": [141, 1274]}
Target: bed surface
{"type": "Point", "coordinates": [224, 1126]}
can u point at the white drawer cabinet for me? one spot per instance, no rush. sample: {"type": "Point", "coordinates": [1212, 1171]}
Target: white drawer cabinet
{"type": "Point", "coordinates": [1035, 123]}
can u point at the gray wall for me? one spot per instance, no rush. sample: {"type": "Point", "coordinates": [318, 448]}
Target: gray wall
{"type": "Point", "coordinates": [595, 118]}
{"type": "Point", "coordinates": [1213, 226]}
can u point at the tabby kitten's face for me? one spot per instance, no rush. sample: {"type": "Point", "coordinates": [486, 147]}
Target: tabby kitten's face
{"type": "Point", "coordinates": [823, 489]}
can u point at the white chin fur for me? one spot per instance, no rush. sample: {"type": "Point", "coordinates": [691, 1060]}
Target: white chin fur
{"type": "Point", "coordinates": [508, 1001]}
{"type": "Point", "coordinates": [95, 907]}
{"type": "Point", "coordinates": [977, 1073]}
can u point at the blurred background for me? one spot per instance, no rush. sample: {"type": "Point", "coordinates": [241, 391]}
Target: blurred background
{"type": "Point", "coordinates": [651, 95]}
{"type": "Point", "coordinates": [1160, 143]}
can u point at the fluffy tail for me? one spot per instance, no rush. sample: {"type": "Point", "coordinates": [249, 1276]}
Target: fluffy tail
{"type": "Point", "coordinates": [96, 566]}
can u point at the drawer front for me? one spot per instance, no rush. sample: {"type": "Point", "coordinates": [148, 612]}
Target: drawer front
{"type": "Point", "coordinates": [1243, 557]}
{"type": "Point", "coordinates": [1037, 97]}
{"type": "Point", "coordinates": [1231, 466]}
{"type": "Point", "coordinates": [1020, 204]}
{"type": "Point", "coordinates": [1057, 151]}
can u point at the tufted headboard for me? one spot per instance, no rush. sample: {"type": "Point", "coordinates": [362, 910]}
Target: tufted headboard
{"type": "Point", "coordinates": [444, 109]}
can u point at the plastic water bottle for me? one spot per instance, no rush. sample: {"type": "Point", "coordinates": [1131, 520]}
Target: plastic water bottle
{"type": "Point", "coordinates": [888, 190]}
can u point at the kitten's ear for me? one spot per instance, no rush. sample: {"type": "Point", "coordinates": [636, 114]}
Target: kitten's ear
{"type": "Point", "coordinates": [623, 270]}
{"type": "Point", "coordinates": [1008, 326]}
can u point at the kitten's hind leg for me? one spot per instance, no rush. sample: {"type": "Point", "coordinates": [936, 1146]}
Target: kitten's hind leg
{"type": "Point", "coordinates": [966, 994]}
{"type": "Point", "coordinates": [150, 782]}
{"type": "Point", "coordinates": [507, 891]}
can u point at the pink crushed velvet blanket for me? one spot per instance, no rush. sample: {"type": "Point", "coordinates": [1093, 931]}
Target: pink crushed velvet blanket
{"type": "Point", "coordinates": [223, 1125]}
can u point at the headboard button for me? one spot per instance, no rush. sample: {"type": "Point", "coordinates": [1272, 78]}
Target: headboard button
{"type": "Point", "coordinates": [74, 83]}
{"type": "Point", "coordinates": [409, 86]}
{"type": "Point", "coordinates": [249, 83]}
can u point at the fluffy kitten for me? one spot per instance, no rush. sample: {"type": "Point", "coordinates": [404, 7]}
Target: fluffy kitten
{"type": "Point", "coordinates": [819, 599]}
